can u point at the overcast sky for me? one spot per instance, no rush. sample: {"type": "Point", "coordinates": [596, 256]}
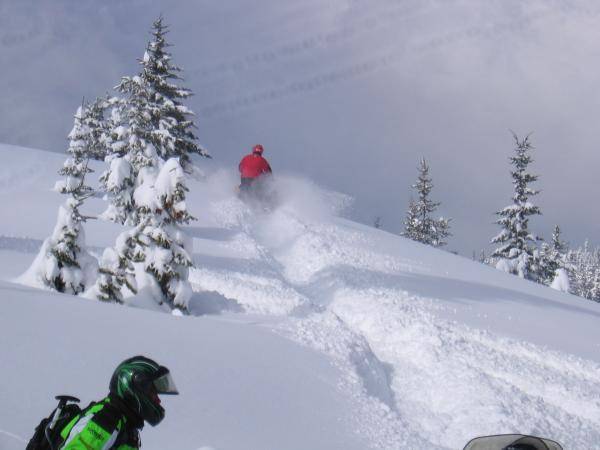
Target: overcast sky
{"type": "Point", "coordinates": [350, 93]}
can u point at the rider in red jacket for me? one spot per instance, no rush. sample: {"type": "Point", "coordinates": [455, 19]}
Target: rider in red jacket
{"type": "Point", "coordinates": [253, 167]}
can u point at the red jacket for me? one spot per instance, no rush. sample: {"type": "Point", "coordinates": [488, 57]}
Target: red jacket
{"type": "Point", "coordinates": [253, 166]}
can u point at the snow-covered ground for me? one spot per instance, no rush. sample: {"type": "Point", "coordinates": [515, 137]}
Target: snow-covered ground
{"type": "Point", "coordinates": [309, 331]}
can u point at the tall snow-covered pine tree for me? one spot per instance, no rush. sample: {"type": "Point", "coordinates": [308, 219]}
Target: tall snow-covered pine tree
{"type": "Point", "coordinates": [172, 122]}
{"type": "Point", "coordinates": [150, 124]}
{"type": "Point", "coordinates": [517, 243]}
{"type": "Point", "coordinates": [152, 141]}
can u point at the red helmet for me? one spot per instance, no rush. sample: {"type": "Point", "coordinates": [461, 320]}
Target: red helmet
{"type": "Point", "coordinates": [258, 149]}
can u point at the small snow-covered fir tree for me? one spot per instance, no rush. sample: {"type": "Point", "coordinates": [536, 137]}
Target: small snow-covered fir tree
{"type": "Point", "coordinates": [411, 222]}
{"type": "Point", "coordinates": [76, 167]}
{"type": "Point", "coordinates": [63, 263]}
{"type": "Point", "coordinates": [167, 258]}
{"type": "Point", "coordinates": [482, 258]}
{"type": "Point", "coordinates": [116, 270]}
{"type": "Point", "coordinates": [552, 258]}
{"type": "Point", "coordinates": [558, 245]}
{"type": "Point", "coordinates": [584, 272]}
{"type": "Point", "coordinates": [517, 243]}
{"type": "Point", "coordinates": [419, 225]}
{"type": "Point", "coordinates": [545, 264]}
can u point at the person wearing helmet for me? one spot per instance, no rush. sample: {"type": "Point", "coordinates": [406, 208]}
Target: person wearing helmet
{"type": "Point", "coordinates": [253, 168]}
{"type": "Point", "coordinates": [114, 422]}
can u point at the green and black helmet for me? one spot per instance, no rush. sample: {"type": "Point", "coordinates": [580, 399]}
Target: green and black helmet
{"type": "Point", "coordinates": [138, 381]}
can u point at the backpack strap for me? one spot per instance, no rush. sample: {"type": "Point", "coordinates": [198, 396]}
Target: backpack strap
{"type": "Point", "coordinates": [109, 417]}
{"type": "Point", "coordinates": [119, 420]}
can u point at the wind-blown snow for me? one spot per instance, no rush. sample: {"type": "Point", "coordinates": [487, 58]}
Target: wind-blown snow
{"type": "Point", "coordinates": [311, 332]}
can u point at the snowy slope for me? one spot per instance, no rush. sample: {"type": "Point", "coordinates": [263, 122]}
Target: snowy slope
{"type": "Point", "coordinates": [311, 331]}
{"type": "Point", "coordinates": [237, 389]}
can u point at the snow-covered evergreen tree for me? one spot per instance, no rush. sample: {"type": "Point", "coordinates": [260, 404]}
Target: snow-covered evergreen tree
{"type": "Point", "coordinates": [483, 259]}
{"type": "Point", "coordinates": [584, 272]}
{"type": "Point", "coordinates": [546, 264]}
{"type": "Point", "coordinates": [552, 258]}
{"type": "Point", "coordinates": [517, 243]}
{"type": "Point", "coordinates": [419, 225]}
{"type": "Point", "coordinates": [98, 127]}
{"type": "Point", "coordinates": [114, 131]}
{"type": "Point", "coordinates": [76, 167]}
{"type": "Point", "coordinates": [558, 245]}
{"type": "Point", "coordinates": [167, 258]}
{"type": "Point", "coordinates": [172, 131]}
{"type": "Point", "coordinates": [152, 131]}
{"type": "Point", "coordinates": [63, 263]}
{"type": "Point", "coordinates": [411, 221]}
{"type": "Point", "coordinates": [132, 168]}
{"type": "Point", "coordinates": [131, 156]}
{"type": "Point", "coordinates": [118, 180]}
{"type": "Point", "coordinates": [136, 112]}
{"type": "Point", "coordinates": [116, 270]}
{"type": "Point", "coordinates": [150, 124]}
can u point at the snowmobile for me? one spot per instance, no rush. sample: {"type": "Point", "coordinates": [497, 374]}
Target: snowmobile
{"type": "Point", "coordinates": [259, 193]}
{"type": "Point", "coordinates": [512, 442]}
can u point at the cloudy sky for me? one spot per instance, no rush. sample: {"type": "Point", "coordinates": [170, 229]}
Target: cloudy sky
{"type": "Point", "coordinates": [349, 93]}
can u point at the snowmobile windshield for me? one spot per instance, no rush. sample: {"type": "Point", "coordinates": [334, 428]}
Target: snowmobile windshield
{"type": "Point", "coordinates": [512, 442]}
{"type": "Point", "coordinates": [164, 384]}
{"type": "Point", "coordinates": [520, 447]}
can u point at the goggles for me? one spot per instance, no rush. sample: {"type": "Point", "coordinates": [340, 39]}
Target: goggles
{"type": "Point", "coordinates": [163, 383]}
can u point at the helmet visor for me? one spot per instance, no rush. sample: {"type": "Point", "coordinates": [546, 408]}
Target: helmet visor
{"type": "Point", "coordinates": [164, 384]}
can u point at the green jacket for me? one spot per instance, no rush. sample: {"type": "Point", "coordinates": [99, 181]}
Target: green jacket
{"type": "Point", "coordinates": [102, 426]}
